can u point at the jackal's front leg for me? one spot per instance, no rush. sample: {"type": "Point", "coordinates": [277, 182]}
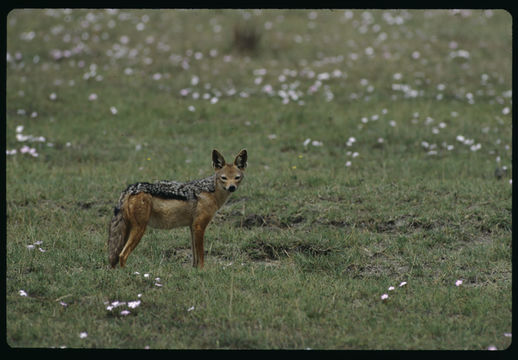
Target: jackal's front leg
{"type": "Point", "coordinates": [197, 234]}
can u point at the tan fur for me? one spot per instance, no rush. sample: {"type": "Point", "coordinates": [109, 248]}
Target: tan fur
{"type": "Point", "coordinates": [143, 209]}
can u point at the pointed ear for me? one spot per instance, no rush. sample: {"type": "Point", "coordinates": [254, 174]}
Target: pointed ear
{"type": "Point", "coordinates": [240, 160]}
{"type": "Point", "coordinates": [218, 161]}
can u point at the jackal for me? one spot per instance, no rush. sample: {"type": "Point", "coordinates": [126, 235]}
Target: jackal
{"type": "Point", "coordinates": [170, 204]}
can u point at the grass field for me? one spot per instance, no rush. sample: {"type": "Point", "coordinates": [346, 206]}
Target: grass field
{"type": "Point", "coordinates": [376, 208]}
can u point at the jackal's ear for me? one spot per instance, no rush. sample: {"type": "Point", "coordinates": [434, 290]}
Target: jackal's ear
{"type": "Point", "coordinates": [218, 161]}
{"type": "Point", "coordinates": [240, 160]}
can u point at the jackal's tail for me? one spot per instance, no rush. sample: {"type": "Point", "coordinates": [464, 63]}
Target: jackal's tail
{"type": "Point", "coordinates": [117, 237]}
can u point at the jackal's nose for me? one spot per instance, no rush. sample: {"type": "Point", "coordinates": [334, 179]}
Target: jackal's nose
{"type": "Point", "coordinates": [232, 188]}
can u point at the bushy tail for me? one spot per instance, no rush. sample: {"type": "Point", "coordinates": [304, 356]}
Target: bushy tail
{"type": "Point", "coordinates": [117, 237]}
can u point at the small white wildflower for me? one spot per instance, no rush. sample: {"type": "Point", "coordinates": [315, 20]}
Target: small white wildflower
{"type": "Point", "coordinates": [508, 334]}
{"type": "Point", "coordinates": [348, 163]}
{"type": "Point", "coordinates": [391, 288]}
{"type": "Point", "coordinates": [191, 108]}
{"type": "Point", "coordinates": [118, 303]}
{"type": "Point", "coordinates": [22, 293]}
{"type": "Point", "coordinates": [30, 247]}
{"type": "Point", "coordinates": [475, 147]}
{"type": "Point", "coordinates": [492, 348]}
{"type": "Point", "coordinates": [307, 141]}
{"type": "Point", "coordinates": [190, 309]}
{"type": "Point", "coordinates": [113, 110]}
{"type": "Point", "coordinates": [402, 284]}
{"type": "Point", "coordinates": [384, 297]}
{"type": "Point", "coordinates": [19, 128]}
{"type": "Point", "coordinates": [62, 303]}
{"type": "Point", "coordinates": [125, 312]}
{"type": "Point", "coordinates": [458, 283]}
{"type": "Point", "coordinates": [21, 137]}
{"type": "Point", "coordinates": [42, 250]}
{"type": "Point", "coordinates": [92, 97]}
{"type": "Point", "coordinates": [53, 96]}
{"type": "Point", "coordinates": [317, 143]}
{"type": "Point", "coordinates": [83, 334]}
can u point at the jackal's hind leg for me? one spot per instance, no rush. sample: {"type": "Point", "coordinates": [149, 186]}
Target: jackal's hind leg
{"type": "Point", "coordinates": [137, 212]}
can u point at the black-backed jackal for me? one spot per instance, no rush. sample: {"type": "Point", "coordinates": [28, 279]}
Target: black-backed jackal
{"type": "Point", "coordinates": [171, 204]}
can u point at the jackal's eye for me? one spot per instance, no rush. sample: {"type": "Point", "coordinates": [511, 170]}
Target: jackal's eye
{"type": "Point", "coordinates": [223, 177]}
{"type": "Point", "coordinates": [237, 177]}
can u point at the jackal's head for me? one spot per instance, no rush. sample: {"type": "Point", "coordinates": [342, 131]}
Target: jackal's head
{"type": "Point", "coordinates": [228, 176]}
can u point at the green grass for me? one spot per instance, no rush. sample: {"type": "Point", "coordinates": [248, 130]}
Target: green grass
{"type": "Point", "coordinates": [301, 254]}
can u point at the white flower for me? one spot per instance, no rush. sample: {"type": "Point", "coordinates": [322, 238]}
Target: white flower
{"type": "Point", "coordinates": [125, 312]}
{"type": "Point", "coordinates": [402, 284]}
{"type": "Point", "coordinates": [492, 348]}
{"type": "Point", "coordinates": [21, 137]}
{"type": "Point", "coordinates": [83, 334]}
{"type": "Point", "coordinates": [92, 97]}
{"type": "Point", "coordinates": [19, 128]}
{"type": "Point", "coordinates": [191, 308]}
{"type": "Point", "coordinates": [133, 304]}
{"type": "Point", "coordinates": [113, 110]}
{"type": "Point", "coordinates": [391, 288]}
{"type": "Point", "coordinates": [384, 297]}
{"type": "Point", "coordinates": [307, 141]}
{"type": "Point", "coordinates": [22, 293]}
{"type": "Point", "coordinates": [458, 283]}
